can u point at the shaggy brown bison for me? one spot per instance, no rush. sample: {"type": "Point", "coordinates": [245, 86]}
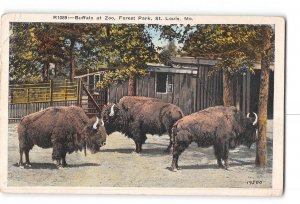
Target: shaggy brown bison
{"type": "Point", "coordinates": [66, 129]}
{"type": "Point", "coordinates": [223, 128]}
{"type": "Point", "coordinates": [137, 116]}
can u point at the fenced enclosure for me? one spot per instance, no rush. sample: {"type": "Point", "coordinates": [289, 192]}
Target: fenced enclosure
{"type": "Point", "coordinates": [29, 98]}
{"type": "Point", "coordinates": [44, 92]}
{"type": "Point", "coordinates": [192, 90]}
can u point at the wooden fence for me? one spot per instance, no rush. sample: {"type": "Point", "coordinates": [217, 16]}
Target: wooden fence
{"type": "Point", "coordinates": [190, 92]}
{"type": "Point", "coordinates": [28, 98]}
{"type": "Point", "coordinates": [44, 92]}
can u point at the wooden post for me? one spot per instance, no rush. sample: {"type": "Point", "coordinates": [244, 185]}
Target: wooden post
{"type": "Point", "coordinates": [131, 87]}
{"type": "Point", "coordinates": [248, 99]}
{"type": "Point", "coordinates": [108, 95]}
{"type": "Point", "coordinates": [66, 97]}
{"type": "Point", "coordinates": [79, 92]}
{"type": "Point", "coordinates": [28, 98]}
{"type": "Point", "coordinates": [88, 80]}
{"type": "Point", "coordinates": [148, 91]}
{"type": "Point", "coordinates": [51, 92]}
{"type": "Point", "coordinates": [238, 93]}
{"type": "Point", "coordinates": [11, 95]}
{"type": "Point", "coordinates": [244, 95]}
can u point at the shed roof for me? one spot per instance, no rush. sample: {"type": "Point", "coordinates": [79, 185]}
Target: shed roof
{"type": "Point", "coordinates": [193, 61]}
{"type": "Point", "coordinates": [179, 65]}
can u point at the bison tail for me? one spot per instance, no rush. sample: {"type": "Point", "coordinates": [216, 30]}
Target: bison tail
{"type": "Point", "coordinates": [181, 114]}
{"type": "Point", "coordinates": [178, 115]}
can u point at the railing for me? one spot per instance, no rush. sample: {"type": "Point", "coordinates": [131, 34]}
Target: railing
{"type": "Point", "coordinates": [29, 98]}
{"type": "Point", "coordinates": [44, 92]}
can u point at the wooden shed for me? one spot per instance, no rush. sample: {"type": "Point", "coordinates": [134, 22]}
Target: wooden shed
{"type": "Point", "coordinates": [188, 85]}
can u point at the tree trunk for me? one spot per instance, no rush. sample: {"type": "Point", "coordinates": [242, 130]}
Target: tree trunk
{"type": "Point", "coordinates": [227, 89]}
{"type": "Point", "coordinates": [261, 150]}
{"type": "Point", "coordinates": [131, 87]}
{"type": "Point", "coordinates": [72, 70]}
{"type": "Point", "coordinates": [72, 60]}
{"type": "Point", "coordinates": [45, 74]}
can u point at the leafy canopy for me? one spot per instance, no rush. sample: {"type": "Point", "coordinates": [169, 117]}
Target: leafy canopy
{"type": "Point", "coordinates": [128, 48]}
{"type": "Point", "coordinates": [125, 47]}
{"type": "Point", "coordinates": [236, 47]}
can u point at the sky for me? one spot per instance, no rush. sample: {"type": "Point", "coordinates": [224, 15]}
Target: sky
{"type": "Point", "coordinates": [161, 42]}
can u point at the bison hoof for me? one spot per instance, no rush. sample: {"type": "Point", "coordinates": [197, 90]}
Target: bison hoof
{"type": "Point", "coordinates": [175, 169]}
{"type": "Point", "coordinates": [60, 167]}
{"type": "Point", "coordinates": [167, 151]}
{"type": "Point", "coordinates": [224, 167]}
{"type": "Point", "coordinates": [21, 165]}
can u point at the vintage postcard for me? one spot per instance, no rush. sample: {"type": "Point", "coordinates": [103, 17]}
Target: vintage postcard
{"type": "Point", "coordinates": [142, 104]}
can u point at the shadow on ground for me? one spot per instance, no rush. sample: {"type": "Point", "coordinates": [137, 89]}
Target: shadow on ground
{"type": "Point", "coordinates": [53, 166]}
{"type": "Point", "coordinates": [145, 152]}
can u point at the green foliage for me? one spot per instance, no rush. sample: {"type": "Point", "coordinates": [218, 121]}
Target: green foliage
{"type": "Point", "coordinates": [34, 46]}
{"type": "Point", "coordinates": [22, 55]}
{"type": "Point", "coordinates": [119, 76]}
{"type": "Point", "coordinates": [233, 45]}
{"type": "Point", "coordinates": [236, 47]}
{"type": "Point", "coordinates": [125, 47]}
{"type": "Point", "coordinates": [128, 48]}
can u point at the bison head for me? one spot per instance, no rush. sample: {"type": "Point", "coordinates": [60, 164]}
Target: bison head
{"type": "Point", "coordinates": [251, 130]}
{"type": "Point", "coordinates": [95, 134]}
{"type": "Point", "coordinates": [110, 115]}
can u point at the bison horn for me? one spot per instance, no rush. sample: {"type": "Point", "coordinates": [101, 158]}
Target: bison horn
{"type": "Point", "coordinates": [112, 112]}
{"type": "Point", "coordinates": [96, 123]}
{"type": "Point", "coordinates": [255, 121]}
{"type": "Point", "coordinates": [102, 123]}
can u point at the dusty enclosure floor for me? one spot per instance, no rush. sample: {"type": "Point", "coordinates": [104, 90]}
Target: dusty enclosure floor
{"type": "Point", "coordinates": [117, 166]}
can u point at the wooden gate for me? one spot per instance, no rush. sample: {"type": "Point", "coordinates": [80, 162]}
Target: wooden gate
{"type": "Point", "coordinates": [101, 99]}
{"type": "Point", "coordinates": [93, 102]}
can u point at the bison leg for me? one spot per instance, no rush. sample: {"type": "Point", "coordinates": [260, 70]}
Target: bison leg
{"type": "Point", "coordinates": [57, 162]}
{"type": "Point", "coordinates": [57, 153]}
{"type": "Point", "coordinates": [138, 146]}
{"type": "Point", "coordinates": [177, 151]}
{"type": "Point", "coordinates": [139, 141]}
{"type": "Point", "coordinates": [63, 160]}
{"type": "Point", "coordinates": [28, 164]}
{"type": "Point", "coordinates": [170, 143]}
{"type": "Point", "coordinates": [21, 164]}
{"type": "Point", "coordinates": [219, 153]}
{"type": "Point", "coordinates": [225, 156]}
{"type": "Point", "coordinates": [174, 165]}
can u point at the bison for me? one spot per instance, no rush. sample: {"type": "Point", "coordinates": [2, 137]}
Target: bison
{"type": "Point", "coordinates": [136, 116]}
{"type": "Point", "coordinates": [66, 129]}
{"type": "Point", "coordinates": [222, 127]}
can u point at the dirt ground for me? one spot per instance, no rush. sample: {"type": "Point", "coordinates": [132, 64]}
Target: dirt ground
{"type": "Point", "coordinates": [117, 166]}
